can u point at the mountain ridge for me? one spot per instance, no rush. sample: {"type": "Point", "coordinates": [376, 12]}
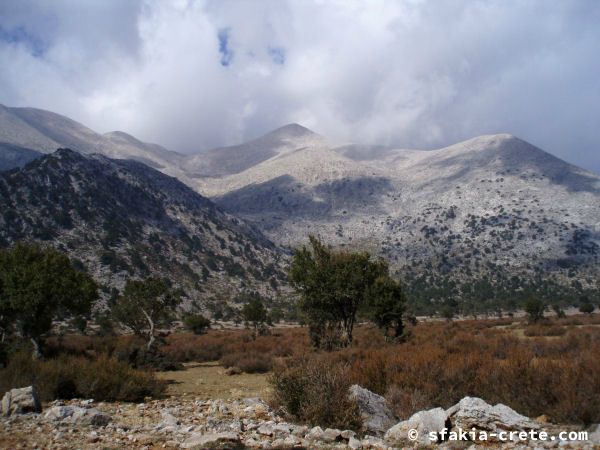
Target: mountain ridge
{"type": "Point", "coordinates": [122, 219]}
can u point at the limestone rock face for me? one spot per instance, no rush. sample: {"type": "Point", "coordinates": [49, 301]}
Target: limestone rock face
{"type": "Point", "coordinates": [20, 401]}
{"type": "Point", "coordinates": [376, 416]}
{"type": "Point", "coordinates": [474, 412]}
{"type": "Point", "coordinates": [423, 422]}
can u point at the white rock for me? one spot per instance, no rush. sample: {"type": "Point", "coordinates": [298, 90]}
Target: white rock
{"type": "Point", "coordinates": [354, 443]}
{"type": "Point", "coordinates": [376, 416]}
{"type": "Point", "coordinates": [19, 401]}
{"type": "Point", "coordinates": [423, 421]}
{"type": "Point", "coordinates": [474, 412]}
{"type": "Point", "coordinates": [315, 434]}
{"type": "Point", "coordinates": [330, 435]}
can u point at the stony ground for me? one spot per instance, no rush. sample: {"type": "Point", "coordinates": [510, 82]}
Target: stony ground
{"type": "Point", "coordinates": [184, 423]}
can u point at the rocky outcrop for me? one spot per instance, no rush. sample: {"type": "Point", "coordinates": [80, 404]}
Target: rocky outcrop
{"type": "Point", "coordinates": [424, 422]}
{"type": "Point", "coordinates": [377, 418]}
{"type": "Point", "coordinates": [20, 401]}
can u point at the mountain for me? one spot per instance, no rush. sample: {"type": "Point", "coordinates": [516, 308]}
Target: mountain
{"type": "Point", "coordinates": [492, 208]}
{"type": "Point", "coordinates": [121, 218]}
{"type": "Point", "coordinates": [490, 214]}
{"type": "Point", "coordinates": [235, 159]}
{"type": "Point", "coordinates": [41, 131]}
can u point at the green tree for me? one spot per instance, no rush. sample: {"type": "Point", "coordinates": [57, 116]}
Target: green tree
{"type": "Point", "coordinates": [534, 308]}
{"type": "Point", "coordinates": [196, 323]}
{"type": "Point", "coordinates": [255, 315]}
{"type": "Point", "coordinates": [333, 286]}
{"type": "Point", "coordinates": [39, 285]}
{"type": "Point", "coordinates": [144, 305]}
{"type": "Point", "coordinates": [386, 305]}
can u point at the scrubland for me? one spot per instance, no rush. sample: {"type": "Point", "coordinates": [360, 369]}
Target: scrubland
{"type": "Point", "coordinates": [549, 368]}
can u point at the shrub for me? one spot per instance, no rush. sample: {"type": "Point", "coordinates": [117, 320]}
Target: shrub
{"type": "Point", "coordinates": [315, 391]}
{"type": "Point", "coordinates": [103, 379]}
{"type": "Point", "coordinates": [544, 330]}
{"type": "Point", "coordinates": [248, 362]}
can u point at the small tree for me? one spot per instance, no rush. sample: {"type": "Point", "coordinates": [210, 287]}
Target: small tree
{"type": "Point", "coordinates": [255, 315]}
{"type": "Point", "coordinates": [534, 308]}
{"type": "Point", "coordinates": [144, 305]}
{"type": "Point", "coordinates": [196, 323]}
{"type": "Point", "coordinates": [37, 286]}
{"type": "Point", "coordinates": [333, 286]}
{"type": "Point", "coordinates": [386, 305]}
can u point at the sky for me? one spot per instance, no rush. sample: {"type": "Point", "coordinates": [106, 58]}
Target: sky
{"type": "Point", "coordinates": [192, 75]}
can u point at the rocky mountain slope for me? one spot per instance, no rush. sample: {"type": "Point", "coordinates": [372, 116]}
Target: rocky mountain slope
{"type": "Point", "coordinates": [122, 219]}
{"type": "Point", "coordinates": [482, 219]}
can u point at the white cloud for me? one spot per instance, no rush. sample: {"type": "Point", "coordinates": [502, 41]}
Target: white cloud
{"type": "Point", "coordinates": [414, 73]}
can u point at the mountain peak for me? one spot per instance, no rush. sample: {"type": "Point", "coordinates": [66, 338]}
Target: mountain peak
{"type": "Point", "coordinates": [292, 130]}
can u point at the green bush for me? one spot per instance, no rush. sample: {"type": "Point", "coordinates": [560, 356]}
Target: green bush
{"type": "Point", "coordinates": [103, 379]}
{"type": "Point", "coordinates": [196, 323]}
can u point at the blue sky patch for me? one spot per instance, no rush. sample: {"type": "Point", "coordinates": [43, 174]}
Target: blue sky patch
{"type": "Point", "coordinates": [277, 55]}
{"type": "Point", "coordinates": [20, 35]}
{"type": "Point", "coordinates": [224, 50]}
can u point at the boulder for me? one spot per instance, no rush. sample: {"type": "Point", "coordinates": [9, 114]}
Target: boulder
{"type": "Point", "coordinates": [200, 441]}
{"type": "Point", "coordinates": [473, 412]}
{"type": "Point", "coordinates": [331, 435]}
{"type": "Point", "coordinates": [424, 422]}
{"type": "Point", "coordinates": [315, 434]}
{"type": "Point", "coordinates": [20, 401]}
{"type": "Point", "coordinates": [75, 414]}
{"type": "Point", "coordinates": [377, 418]}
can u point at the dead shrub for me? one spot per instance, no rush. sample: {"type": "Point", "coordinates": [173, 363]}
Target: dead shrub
{"type": "Point", "coordinates": [248, 362]}
{"type": "Point", "coordinates": [315, 391]}
{"type": "Point", "coordinates": [103, 379]}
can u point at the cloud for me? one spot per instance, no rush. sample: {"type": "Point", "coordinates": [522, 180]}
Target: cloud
{"type": "Point", "coordinates": [198, 74]}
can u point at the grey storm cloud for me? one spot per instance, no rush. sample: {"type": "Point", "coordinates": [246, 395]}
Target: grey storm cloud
{"type": "Point", "coordinates": [423, 74]}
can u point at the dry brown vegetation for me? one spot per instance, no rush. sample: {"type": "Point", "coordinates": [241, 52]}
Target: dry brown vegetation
{"type": "Point", "coordinates": [103, 378]}
{"type": "Point", "coordinates": [549, 368]}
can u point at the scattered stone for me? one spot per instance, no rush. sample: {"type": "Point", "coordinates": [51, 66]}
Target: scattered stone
{"type": "Point", "coordinates": [75, 414]}
{"type": "Point", "coordinates": [20, 401]}
{"type": "Point", "coordinates": [168, 419]}
{"type": "Point", "coordinates": [423, 421]}
{"type": "Point", "coordinates": [376, 416]}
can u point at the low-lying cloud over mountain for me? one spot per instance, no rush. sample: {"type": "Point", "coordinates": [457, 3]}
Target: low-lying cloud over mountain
{"type": "Point", "coordinates": [194, 75]}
